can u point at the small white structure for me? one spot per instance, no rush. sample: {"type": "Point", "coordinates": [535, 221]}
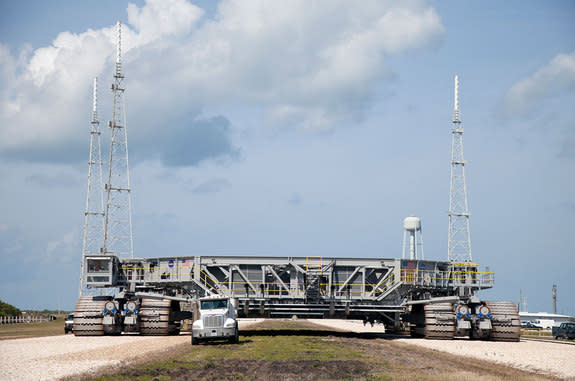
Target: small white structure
{"type": "Point", "coordinates": [544, 319]}
{"type": "Point", "coordinates": [412, 228]}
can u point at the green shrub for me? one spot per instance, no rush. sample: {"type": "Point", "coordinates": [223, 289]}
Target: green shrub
{"type": "Point", "coordinates": [8, 310]}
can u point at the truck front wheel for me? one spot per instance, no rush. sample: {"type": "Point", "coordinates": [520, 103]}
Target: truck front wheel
{"type": "Point", "coordinates": [195, 341]}
{"type": "Point", "coordinates": [236, 337]}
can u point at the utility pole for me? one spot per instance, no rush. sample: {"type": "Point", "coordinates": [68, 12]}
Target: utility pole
{"type": "Point", "coordinates": [555, 299]}
{"type": "Point", "coordinates": [459, 240]}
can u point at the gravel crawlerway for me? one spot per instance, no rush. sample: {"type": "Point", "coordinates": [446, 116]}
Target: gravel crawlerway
{"type": "Point", "coordinates": [547, 358]}
{"type": "Point", "coordinates": [54, 357]}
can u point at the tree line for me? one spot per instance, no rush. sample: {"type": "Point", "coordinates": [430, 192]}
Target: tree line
{"type": "Point", "coordinates": [8, 310]}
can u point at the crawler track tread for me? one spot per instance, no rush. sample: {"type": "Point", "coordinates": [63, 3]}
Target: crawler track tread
{"type": "Point", "coordinates": [155, 317]}
{"type": "Point", "coordinates": [439, 321]}
{"type": "Point", "coordinates": [88, 317]}
{"type": "Point", "coordinates": [505, 324]}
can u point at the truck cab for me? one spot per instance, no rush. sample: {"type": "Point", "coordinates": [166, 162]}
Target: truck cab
{"type": "Point", "coordinates": [565, 330]}
{"type": "Point", "coordinates": [216, 320]}
{"type": "Point", "coordinates": [69, 324]}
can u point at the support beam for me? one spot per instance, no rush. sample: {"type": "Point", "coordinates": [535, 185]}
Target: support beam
{"type": "Point", "coordinates": [278, 278]}
{"type": "Point", "coordinates": [389, 291]}
{"type": "Point", "coordinates": [444, 299]}
{"type": "Point", "coordinates": [245, 278]}
{"type": "Point", "coordinates": [297, 267]}
{"type": "Point", "coordinates": [349, 278]}
{"type": "Point", "coordinates": [226, 272]}
{"type": "Point", "coordinates": [213, 278]}
{"type": "Point", "coordinates": [384, 278]}
{"type": "Point", "coordinates": [206, 289]}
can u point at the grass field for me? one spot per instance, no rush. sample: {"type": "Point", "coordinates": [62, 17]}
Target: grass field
{"type": "Point", "coordinates": [287, 350]}
{"type": "Point", "coordinates": [535, 332]}
{"type": "Point", "coordinates": [18, 331]}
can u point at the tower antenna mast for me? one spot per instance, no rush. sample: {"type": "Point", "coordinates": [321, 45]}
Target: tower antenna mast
{"type": "Point", "coordinates": [459, 239]}
{"type": "Point", "coordinates": [93, 238]}
{"type": "Point", "coordinates": [118, 215]}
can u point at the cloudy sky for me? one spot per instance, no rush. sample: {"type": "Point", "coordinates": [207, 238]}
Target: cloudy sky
{"type": "Point", "coordinates": [293, 128]}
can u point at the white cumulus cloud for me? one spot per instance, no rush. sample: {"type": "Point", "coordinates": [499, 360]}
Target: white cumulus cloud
{"type": "Point", "coordinates": [307, 65]}
{"type": "Point", "coordinates": [555, 78]}
{"type": "Point", "coordinates": [159, 18]}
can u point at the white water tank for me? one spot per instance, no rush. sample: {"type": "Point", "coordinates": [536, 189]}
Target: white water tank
{"type": "Point", "coordinates": [412, 223]}
{"type": "Point", "coordinates": [412, 238]}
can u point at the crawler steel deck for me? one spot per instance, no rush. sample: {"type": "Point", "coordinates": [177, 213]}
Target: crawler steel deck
{"type": "Point", "coordinates": [364, 288]}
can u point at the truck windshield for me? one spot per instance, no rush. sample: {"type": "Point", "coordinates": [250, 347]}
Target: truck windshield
{"type": "Point", "coordinates": [213, 304]}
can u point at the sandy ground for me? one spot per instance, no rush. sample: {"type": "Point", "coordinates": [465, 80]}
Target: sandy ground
{"type": "Point", "coordinates": [349, 325]}
{"type": "Point", "coordinates": [548, 358]}
{"type": "Point", "coordinates": [53, 357]}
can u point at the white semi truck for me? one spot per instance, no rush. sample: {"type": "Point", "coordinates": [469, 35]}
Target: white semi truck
{"type": "Point", "coordinates": [216, 320]}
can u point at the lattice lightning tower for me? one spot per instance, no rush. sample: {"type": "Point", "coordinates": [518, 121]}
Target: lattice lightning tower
{"type": "Point", "coordinates": [459, 240]}
{"type": "Point", "coordinates": [118, 214]}
{"type": "Point", "coordinates": [93, 239]}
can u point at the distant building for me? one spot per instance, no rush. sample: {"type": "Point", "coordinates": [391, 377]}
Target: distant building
{"type": "Point", "coordinates": [543, 319]}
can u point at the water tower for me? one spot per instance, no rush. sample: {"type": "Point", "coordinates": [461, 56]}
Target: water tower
{"type": "Point", "coordinates": [412, 227]}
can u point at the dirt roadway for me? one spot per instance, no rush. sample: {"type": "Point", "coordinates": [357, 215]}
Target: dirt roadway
{"type": "Point", "coordinates": [298, 350]}
{"type": "Point", "coordinates": [548, 358]}
{"type": "Point", "coordinates": [49, 358]}
{"type": "Point", "coordinates": [53, 357]}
